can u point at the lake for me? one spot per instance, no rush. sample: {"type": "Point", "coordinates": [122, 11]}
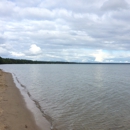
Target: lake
{"type": "Point", "coordinates": [79, 96]}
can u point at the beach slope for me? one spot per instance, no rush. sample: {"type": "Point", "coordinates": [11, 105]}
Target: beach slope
{"type": "Point", "coordinates": [14, 114]}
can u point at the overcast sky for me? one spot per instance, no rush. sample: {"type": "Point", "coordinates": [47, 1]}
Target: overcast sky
{"type": "Point", "coordinates": [65, 30]}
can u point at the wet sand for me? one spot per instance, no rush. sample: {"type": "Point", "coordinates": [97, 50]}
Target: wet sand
{"type": "Point", "coordinates": [14, 115]}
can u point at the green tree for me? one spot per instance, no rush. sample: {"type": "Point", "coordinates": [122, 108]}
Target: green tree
{"type": "Point", "coordinates": [1, 60]}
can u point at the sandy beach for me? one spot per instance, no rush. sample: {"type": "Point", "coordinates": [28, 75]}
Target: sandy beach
{"type": "Point", "coordinates": [14, 115]}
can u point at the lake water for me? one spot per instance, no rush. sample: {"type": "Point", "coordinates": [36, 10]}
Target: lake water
{"type": "Point", "coordinates": [79, 97]}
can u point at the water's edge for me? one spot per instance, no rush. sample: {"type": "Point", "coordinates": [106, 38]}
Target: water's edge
{"type": "Point", "coordinates": [40, 117]}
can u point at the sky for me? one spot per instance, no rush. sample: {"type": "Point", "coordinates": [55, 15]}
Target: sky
{"type": "Point", "coordinates": [69, 30]}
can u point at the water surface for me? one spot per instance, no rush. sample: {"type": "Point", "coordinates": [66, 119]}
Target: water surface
{"type": "Point", "coordinates": [79, 97]}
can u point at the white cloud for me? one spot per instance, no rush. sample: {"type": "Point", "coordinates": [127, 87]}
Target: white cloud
{"type": "Point", "coordinates": [17, 54]}
{"type": "Point", "coordinates": [34, 50]}
{"type": "Point", "coordinates": [100, 56]}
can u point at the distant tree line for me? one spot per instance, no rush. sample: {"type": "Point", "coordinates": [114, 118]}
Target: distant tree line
{"type": "Point", "coordinates": [24, 61]}
{"type": "Point", "coordinates": [14, 61]}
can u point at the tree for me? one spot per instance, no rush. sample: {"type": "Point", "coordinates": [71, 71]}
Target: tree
{"type": "Point", "coordinates": [1, 60]}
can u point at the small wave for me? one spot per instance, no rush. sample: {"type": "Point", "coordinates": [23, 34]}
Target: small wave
{"type": "Point", "coordinates": [37, 104]}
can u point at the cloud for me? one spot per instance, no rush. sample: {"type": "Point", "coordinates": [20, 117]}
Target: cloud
{"type": "Point", "coordinates": [114, 5]}
{"type": "Point", "coordinates": [99, 55]}
{"type": "Point", "coordinates": [2, 40]}
{"type": "Point", "coordinates": [34, 50]}
{"type": "Point", "coordinates": [3, 52]}
{"type": "Point", "coordinates": [17, 54]}
{"type": "Point", "coordinates": [6, 8]}
{"type": "Point", "coordinates": [92, 30]}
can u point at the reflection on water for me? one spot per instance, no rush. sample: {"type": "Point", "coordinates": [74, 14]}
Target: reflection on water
{"type": "Point", "coordinates": [80, 97]}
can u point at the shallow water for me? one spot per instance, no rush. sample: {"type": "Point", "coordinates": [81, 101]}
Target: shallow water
{"type": "Point", "coordinates": [79, 97]}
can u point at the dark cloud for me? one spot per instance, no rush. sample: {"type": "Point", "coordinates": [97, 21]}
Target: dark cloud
{"type": "Point", "coordinates": [114, 5]}
{"type": "Point", "coordinates": [2, 40]}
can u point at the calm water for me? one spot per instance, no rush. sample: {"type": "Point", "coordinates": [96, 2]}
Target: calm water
{"type": "Point", "coordinates": [79, 97]}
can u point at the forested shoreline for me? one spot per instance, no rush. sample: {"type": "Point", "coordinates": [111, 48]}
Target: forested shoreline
{"type": "Point", "coordinates": [24, 61]}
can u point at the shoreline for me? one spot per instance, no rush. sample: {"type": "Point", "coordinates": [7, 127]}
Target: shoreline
{"type": "Point", "coordinates": [15, 113]}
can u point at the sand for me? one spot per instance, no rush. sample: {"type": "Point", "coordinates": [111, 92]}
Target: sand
{"type": "Point", "coordinates": [14, 115]}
